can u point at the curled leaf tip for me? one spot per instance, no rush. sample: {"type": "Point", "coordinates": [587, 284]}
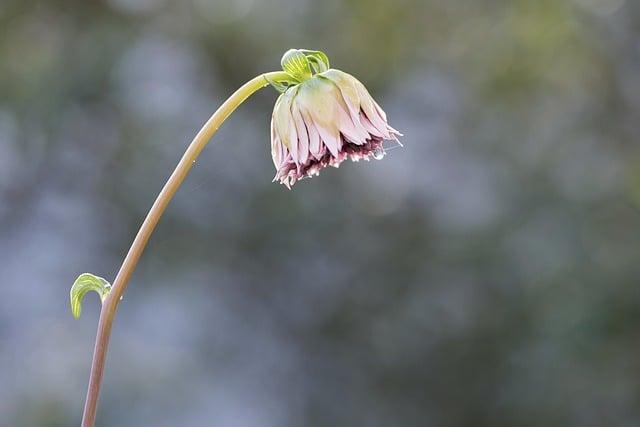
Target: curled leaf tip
{"type": "Point", "coordinates": [84, 283]}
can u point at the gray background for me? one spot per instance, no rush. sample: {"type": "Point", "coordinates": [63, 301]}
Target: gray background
{"type": "Point", "coordinates": [485, 275]}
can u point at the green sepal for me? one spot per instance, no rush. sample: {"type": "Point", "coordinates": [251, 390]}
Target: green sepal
{"type": "Point", "coordinates": [281, 86]}
{"type": "Point", "coordinates": [296, 64]}
{"type": "Point", "coordinates": [300, 65]}
{"type": "Point", "coordinates": [84, 283]}
{"type": "Point", "coordinates": [318, 60]}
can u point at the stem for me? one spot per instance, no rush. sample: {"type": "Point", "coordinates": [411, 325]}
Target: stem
{"type": "Point", "coordinates": [110, 304]}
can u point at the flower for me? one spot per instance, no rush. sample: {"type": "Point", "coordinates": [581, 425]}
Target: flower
{"type": "Point", "coordinates": [323, 120]}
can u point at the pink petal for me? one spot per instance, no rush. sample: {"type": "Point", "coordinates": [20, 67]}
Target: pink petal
{"type": "Point", "coordinates": [278, 150]}
{"type": "Point", "coordinates": [348, 90]}
{"type": "Point", "coordinates": [315, 145]}
{"type": "Point", "coordinates": [282, 117]}
{"type": "Point", "coordinates": [303, 137]}
{"type": "Point", "coordinates": [379, 110]}
{"type": "Point", "coordinates": [331, 138]}
{"type": "Point", "coordinates": [368, 106]}
{"type": "Point", "coordinates": [293, 141]}
{"type": "Point", "coordinates": [331, 141]}
{"type": "Point", "coordinates": [355, 133]}
{"type": "Point", "coordinates": [366, 123]}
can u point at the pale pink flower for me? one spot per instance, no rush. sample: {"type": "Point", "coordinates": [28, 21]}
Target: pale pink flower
{"type": "Point", "coordinates": [323, 121]}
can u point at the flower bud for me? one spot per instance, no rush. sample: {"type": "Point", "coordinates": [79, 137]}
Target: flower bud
{"type": "Point", "coordinates": [322, 119]}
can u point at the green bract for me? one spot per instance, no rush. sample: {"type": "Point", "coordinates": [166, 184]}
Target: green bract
{"type": "Point", "coordinates": [300, 65]}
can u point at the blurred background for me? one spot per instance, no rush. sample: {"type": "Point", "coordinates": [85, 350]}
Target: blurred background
{"type": "Point", "coordinates": [487, 274]}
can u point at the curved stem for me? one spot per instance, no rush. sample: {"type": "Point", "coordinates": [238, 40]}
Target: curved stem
{"type": "Point", "coordinates": [110, 304]}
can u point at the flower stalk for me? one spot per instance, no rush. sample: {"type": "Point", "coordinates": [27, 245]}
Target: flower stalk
{"type": "Point", "coordinates": [110, 302]}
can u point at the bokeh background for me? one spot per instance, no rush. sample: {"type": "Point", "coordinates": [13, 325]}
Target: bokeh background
{"type": "Point", "coordinates": [487, 274]}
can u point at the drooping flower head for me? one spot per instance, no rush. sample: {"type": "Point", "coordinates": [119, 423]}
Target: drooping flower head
{"type": "Point", "coordinates": [323, 117]}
